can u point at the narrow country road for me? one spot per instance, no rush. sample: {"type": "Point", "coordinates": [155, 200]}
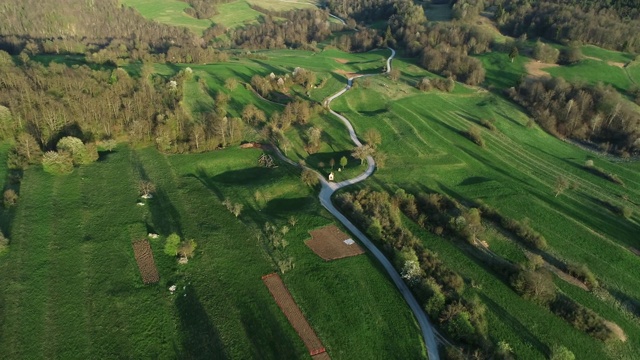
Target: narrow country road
{"type": "Point", "coordinates": [329, 188]}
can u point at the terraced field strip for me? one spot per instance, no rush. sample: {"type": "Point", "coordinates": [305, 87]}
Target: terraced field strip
{"type": "Point", "coordinates": [291, 310]}
{"type": "Point", "coordinates": [144, 258]}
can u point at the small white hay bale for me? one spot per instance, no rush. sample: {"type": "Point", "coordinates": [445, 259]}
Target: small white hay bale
{"type": "Point", "coordinates": [140, 204]}
{"type": "Point", "coordinates": [153, 236]}
{"type": "Point", "coordinates": [172, 288]}
{"type": "Point", "coordinates": [349, 242]}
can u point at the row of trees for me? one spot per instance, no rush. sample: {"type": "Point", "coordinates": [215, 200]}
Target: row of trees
{"type": "Point", "coordinates": [439, 289]}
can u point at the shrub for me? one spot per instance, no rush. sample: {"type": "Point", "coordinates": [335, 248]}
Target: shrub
{"type": "Point", "coordinates": [537, 286]}
{"type": "Point", "coordinates": [626, 211]}
{"type": "Point", "coordinates": [559, 352]}
{"type": "Point", "coordinates": [171, 244]}
{"type": "Point", "coordinates": [77, 150]}
{"type": "Point", "coordinates": [488, 124]}
{"type": "Point", "coordinates": [187, 248]}
{"type": "Point", "coordinates": [582, 272]}
{"type": "Point", "coordinates": [474, 134]}
{"type": "Point", "coordinates": [57, 163]}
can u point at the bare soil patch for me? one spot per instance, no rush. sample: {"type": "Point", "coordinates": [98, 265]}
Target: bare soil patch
{"type": "Point", "coordinates": [146, 264]}
{"type": "Point", "coordinates": [617, 330]}
{"type": "Point", "coordinates": [341, 61]}
{"type": "Point", "coordinates": [291, 310]}
{"type": "Point", "coordinates": [616, 64]}
{"type": "Point", "coordinates": [348, 74]}
{"type": "Point", "coordinates": [535, 68]}
{"type": "Point", "coordinates": [329, 243]}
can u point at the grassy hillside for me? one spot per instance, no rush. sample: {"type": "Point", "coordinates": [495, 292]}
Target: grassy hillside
{"type": "Point", "coordinates": [71, 287]}
{"type": "Point", "coordinates": [169, 12]}
{"type": "Point", "coordinates": [232, 14]}
{"type": "Point", "coordinates": [423, 136]}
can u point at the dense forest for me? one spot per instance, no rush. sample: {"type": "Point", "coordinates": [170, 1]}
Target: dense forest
{"type": "Point", "coordinates": [609, 24]}
{"type": "Point", "coordinates": [589, 113]}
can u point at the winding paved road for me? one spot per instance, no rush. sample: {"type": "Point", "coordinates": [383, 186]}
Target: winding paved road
{"type": "Point", "coordinates": [329, 188]}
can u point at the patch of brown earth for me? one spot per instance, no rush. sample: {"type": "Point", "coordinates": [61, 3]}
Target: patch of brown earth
{"type": "Point", "coordinates": [348, 74]}
{"type": "Point", "coordinates": [341, 61]}
{"type": "Point", "coordinates": [293, 313]}
{"type": "Point", "coordinates": [617, 330]}
{"type": "Point", "coordinates": [536, 68]}
{"type": "Point", "coordinates": [616, 64]}
{"type": "Point", "coordinates": [329, 243]}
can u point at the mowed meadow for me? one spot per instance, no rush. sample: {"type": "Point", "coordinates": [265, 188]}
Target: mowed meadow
{"type": "Point", "coordinates": [72, 289]}
{"type": "Point", "coordinates": [424, 138]}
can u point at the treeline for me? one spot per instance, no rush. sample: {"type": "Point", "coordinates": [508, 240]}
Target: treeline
{"type": "Point", "coordinates": [362, 10]}
{"type": "Point", "coordinates": [596, 114]}
{"type": "Point", "coordinates": [302, 28]}
{"type": "Point", "coordinates": [609, 24]}
{"type": "Point", "coordinates": [438, 288]}
{"type": "Point", "coordinates": [446, 217]}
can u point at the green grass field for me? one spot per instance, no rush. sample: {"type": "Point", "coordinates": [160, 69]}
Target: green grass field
{"type": "Point", "coordinates": [232, 14]}
{"type": "Point", "coordinates": [592, 72]}
{"type": "Point", "coordinates": [422, 136]}
{"type": "Point", "coordinates": [169, 12]}
{"type": "Point", "coordinates": [71, 287]}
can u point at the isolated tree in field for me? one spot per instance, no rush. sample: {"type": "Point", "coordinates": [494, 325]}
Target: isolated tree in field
{"type": "Point", "coordinates": [237, 209]}
{"type": "Point", "coordinates": [373, 137]}
{"type": "Point", "coordinates": [343, 162]}
{"type": "Point", "coordinates": [361, 153]}
{"type": "Point", "coordinates": [513, 53]}
{"type": "Point", "coordinates": [171, 244]}
{"type": "Point", "coordinates": [562, 184]}
{"type": "Point", "coordinates": [309, 177]}
{"type": "Point", "coordinates": [10, 198]}
{"type": "Point", "coordinates": [187, 248]}
{"type": "Point", "coordinates": [252, 115]}
{"type": "Point", "coordinates": [146, 188]}
{"type": "Point", "coordinates": [332, 163]}
{"type": "Point", "coordinates": [559, 352]}
{"type": "Point", "coordinates": [314, 134]}
{"type": "Point", "coordinates": [231, 83]}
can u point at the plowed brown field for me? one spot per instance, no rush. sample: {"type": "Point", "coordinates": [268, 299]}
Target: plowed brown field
{"type": "Point", "coordinates": [291, 310]}
{"type": "Point", "coordinates": [328, 243]}
{"type": "Point", "coordinates": [144, 258]}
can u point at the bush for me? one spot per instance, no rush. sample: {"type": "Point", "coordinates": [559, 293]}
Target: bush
{"type": "Point", "coordinates": [583, 273]}
{"type": "Point", "coordinates": [76, 149]}
{"type": "Point", "coordinates": [187, 248]}
{"type": "Point", "coordinates": [474, 134]}
{"type": "Point", "coordinates": [171, 244]}
{"type": "Point", "coordinates": [535, 285]}
{"type": "Point", "coordinates": [488, 124]}
{"type": "Point", "coordinates": [559, 352]}
{"type": "Point", "coordinates": [57, 163]}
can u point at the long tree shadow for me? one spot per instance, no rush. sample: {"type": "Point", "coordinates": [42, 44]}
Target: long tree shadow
{"type": "Point", "coordinates": [269, 339]}
{"type": "Point", "coordinates": [199, 337]}
{"type": "Point", "coordinates": [515, 324]}
{"type": "Point", "coordinates": [164, 215]}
